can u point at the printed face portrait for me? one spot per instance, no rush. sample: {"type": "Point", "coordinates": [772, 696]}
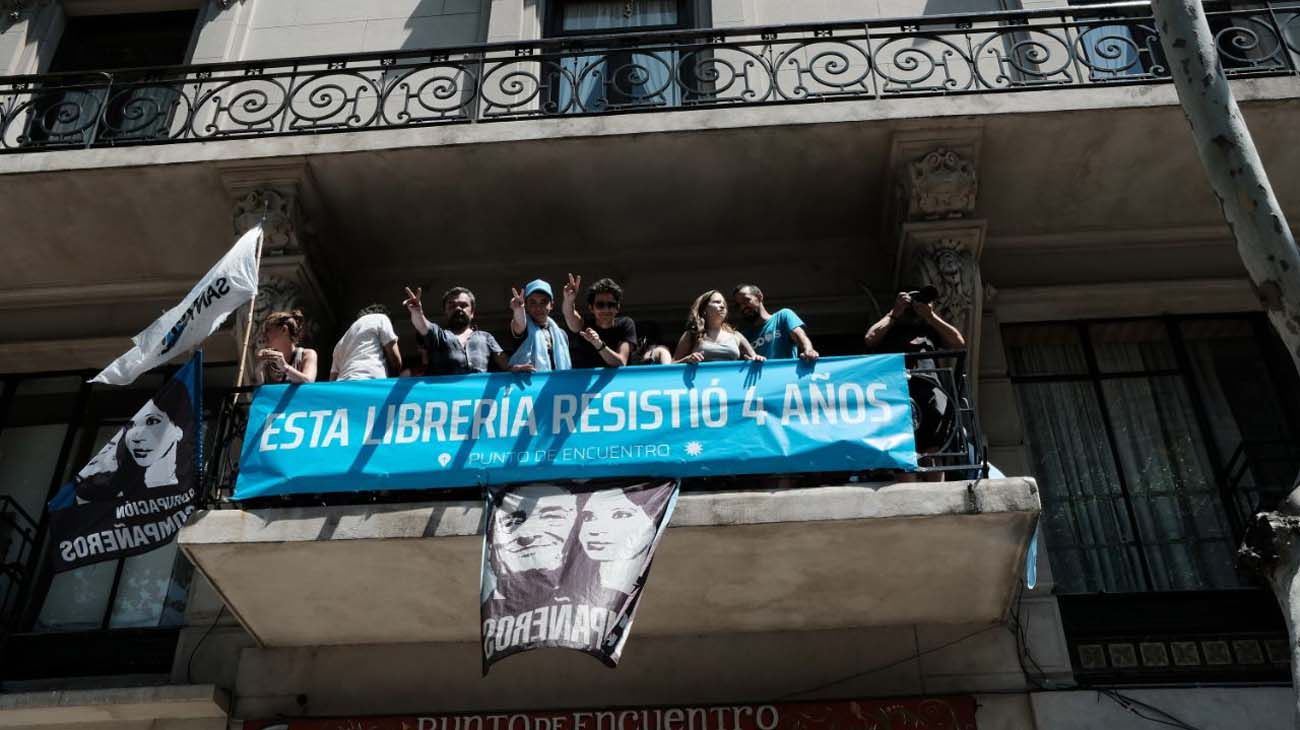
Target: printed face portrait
{"type": "Point", "coordinates": [104, 460]}
{"type": "Point", "coordinates": [151, 436]}
{"type": "Point", "coordinates": [614, 527]}
{"type": "Point", "coordinates": [533, 526]}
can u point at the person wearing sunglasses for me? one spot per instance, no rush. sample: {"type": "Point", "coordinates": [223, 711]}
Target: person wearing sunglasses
{"type": "Point", "coordinates": [605, 339]}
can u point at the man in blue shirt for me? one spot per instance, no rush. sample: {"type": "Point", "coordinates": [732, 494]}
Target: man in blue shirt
{"type": "Point", "coordinates": [774, 336]}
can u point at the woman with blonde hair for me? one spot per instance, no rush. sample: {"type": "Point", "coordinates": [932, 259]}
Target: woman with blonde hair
{"type": "Point", "coordinates": [282, 359]}
{"type": "Point", "coordinates": [708, 337]}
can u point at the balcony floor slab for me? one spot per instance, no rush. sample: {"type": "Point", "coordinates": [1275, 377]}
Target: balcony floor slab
{"type": "Point", "coordinates": [807, 559]}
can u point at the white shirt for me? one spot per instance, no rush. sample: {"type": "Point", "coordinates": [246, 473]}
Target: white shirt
{"type": "Point", "coordinates": [359, 355]}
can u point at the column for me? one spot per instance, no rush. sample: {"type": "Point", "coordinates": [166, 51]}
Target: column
{"type": "Point", "coordinates": [291, 274]}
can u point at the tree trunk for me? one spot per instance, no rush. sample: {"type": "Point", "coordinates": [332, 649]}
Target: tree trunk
{"type": "Point", "coordinates": [1264, 239]}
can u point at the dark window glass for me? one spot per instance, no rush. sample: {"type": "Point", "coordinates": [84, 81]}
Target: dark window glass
{"type": "Point", "coordinates": [1153, 440]}
{"type": "Point", "coordinates": [77, 109]}
{"type": "Point", "coordinates": [50, 426]}
{"type": "Point", "coordinates": [615, 76]}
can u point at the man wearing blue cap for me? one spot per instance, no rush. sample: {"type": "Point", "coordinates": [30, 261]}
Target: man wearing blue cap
{"type": "Point", "coordinates": [545, 345]}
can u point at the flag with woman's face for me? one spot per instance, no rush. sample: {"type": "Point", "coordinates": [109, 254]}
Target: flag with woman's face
{"type": "Point", "coordinates": [564, 564]}
{"type": "Point", "coordinates": [140, 487]}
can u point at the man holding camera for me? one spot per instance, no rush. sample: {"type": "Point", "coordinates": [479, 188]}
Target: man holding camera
{"type": "Point", "coordinates": [913, 326]}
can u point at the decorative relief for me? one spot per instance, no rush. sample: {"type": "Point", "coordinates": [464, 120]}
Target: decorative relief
{"type": "Point", "coordinates": [281, 213]}
{"type": "Point", "coordinates": [942, 184]}
{"type": "Point", "coordinates": [948, 265]}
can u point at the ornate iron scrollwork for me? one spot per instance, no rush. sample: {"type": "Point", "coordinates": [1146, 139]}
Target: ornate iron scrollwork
{"type": "Point", "coordinates": [651, 71]}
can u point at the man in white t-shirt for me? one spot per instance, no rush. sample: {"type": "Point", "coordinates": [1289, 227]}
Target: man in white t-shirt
{"type": "Point", "coordinates": [368, 350]}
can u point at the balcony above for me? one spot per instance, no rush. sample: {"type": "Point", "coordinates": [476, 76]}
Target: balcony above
{"type": "Point", "coordinates": [881, 58]}
{"type": "Point", "coordinates": [732, 562]}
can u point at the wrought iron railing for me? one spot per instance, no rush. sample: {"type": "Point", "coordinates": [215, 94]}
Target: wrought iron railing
{"type": "Point", "coordinates": [958, 455]}
{"type": "Point", "coordinates": [1076, 46]}
{"type": "Point", "coordinates": [17, 539]}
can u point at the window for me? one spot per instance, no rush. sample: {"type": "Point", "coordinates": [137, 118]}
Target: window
{"type": "Point", "coordinates": [50, 426]}
{"type": "Point", "coordinates": [1114, 43]}
{"type": "Point", "coordinates": [1153, 440]}
{"type": "Point", "coordinates": [615, 76]}
{"type": "Point", "coordinates": [80, 108]}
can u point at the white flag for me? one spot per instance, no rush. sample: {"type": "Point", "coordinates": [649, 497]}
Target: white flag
{"type": "Point", "coordinates": [226, 287]}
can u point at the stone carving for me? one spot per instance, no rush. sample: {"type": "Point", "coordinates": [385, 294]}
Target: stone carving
{"type": "Point", "coordinates": [281, 212]}
{"type": "Point", "coordinates": [950, 267]}
{"type": "Point", "coordinates": [942, 184]}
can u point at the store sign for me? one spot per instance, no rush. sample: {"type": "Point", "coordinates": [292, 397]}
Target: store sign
{"type": "Point", "coordinates": [938, 713]}
{"type": "Point", "coordinates": [720, 418]}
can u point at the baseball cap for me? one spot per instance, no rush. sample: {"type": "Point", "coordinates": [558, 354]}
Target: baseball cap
{"type": "Point", "coordinates": [538, 285]}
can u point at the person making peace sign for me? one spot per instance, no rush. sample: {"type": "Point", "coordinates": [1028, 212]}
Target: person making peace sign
{"type": "Point", "coordinates": [605, 339]}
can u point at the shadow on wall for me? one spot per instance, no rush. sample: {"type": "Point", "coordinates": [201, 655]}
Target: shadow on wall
{"type": "Point", "coordinates": [435, 23]}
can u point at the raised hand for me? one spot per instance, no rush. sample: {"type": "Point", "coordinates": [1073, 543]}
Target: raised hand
{"type": "Point", "coordinates": [516, 299]}
{"type": "Point", "coordinates": [412, 301]}
{"type": "Point", "coordinates": [572, 287]}
{"type": "Point", "coordinates": [924, 310]}
{"type": "Point", "coordinates": [901, 304]}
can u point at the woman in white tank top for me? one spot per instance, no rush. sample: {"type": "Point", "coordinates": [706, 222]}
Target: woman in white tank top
{"type": "Point", "coordinates": [708, 337]}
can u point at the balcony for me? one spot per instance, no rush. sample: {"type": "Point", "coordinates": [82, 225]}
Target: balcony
{"type": "Point", "coordinates": [839, 556]}
{"type": "Point", "coordinates": [945, 55]}
{"type": "Point", "coordinates": [745, 554]}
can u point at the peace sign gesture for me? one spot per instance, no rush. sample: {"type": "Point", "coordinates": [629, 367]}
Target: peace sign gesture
{"type": "Point", "coordinates": [516, 299]}
{"type": "Point", "coordinates": [412, 301]}
{"type": "Point", "coordinates": [572, 287]}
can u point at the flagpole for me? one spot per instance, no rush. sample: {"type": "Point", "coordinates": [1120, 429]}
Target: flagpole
{"type": "Point", "coordinates": [252, 302]}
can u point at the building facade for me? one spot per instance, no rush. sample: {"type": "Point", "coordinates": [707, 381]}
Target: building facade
{"type": "Point", "coordinates": [1030, 161]}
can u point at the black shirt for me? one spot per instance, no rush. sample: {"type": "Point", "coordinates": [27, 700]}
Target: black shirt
{"type": "Point", "coordinates": [586, 356]}
{"type": "Point", "coordinates": [908, 335]}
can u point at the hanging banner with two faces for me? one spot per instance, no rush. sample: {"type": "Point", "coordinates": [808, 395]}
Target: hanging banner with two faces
{"type": "Point", "coordinates": [564, 565]}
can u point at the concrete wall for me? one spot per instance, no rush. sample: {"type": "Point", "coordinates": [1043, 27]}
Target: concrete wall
{"type": "Point", "coordinates": [1207, 708]}
{"type": "Point", "coordinates": [397, 679]}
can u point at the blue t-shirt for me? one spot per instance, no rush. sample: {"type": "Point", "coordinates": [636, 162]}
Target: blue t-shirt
{"type": "Point", "coordinates": [775, 339]}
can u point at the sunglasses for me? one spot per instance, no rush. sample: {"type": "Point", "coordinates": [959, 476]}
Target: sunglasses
{"type": "Point", "coordinates": [604, 304]}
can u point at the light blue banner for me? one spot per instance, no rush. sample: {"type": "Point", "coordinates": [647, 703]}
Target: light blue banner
{"type": "Point", "coordinates": [781, 416]}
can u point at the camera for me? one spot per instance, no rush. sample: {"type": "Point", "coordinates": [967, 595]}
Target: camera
{"type": "Point", "coordinates": [926, 294]}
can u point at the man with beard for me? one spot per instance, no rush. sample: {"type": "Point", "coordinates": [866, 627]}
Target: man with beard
{"type": "Point", "coordinates": [780, 335]}
{"type": "Point", "coordinates": [457, 348]}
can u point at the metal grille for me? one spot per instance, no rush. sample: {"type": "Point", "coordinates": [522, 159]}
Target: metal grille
{"type": "Point", "coordinates": [1096, 45]}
